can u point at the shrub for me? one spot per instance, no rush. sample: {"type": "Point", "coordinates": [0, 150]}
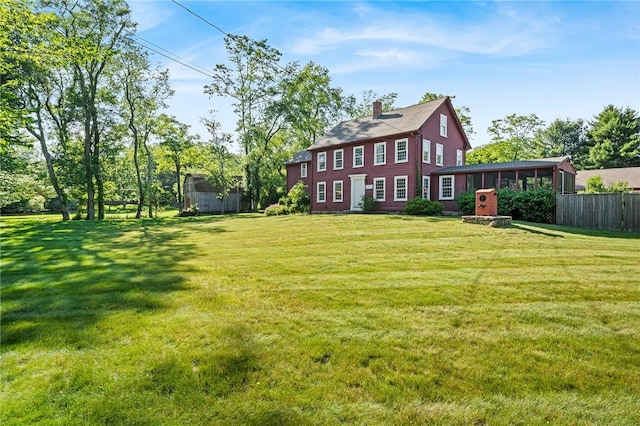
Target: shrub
{"type": "Point", "coordinates": [276, 210]}
{"type": "Point", "coordinates": [467, 202]}
{"type": "Point", "coordinates": [367, 204]}
{"type": "Point", "coordinates": [422, 206]}
{"type": "Point", "coordinates": [297, 200]}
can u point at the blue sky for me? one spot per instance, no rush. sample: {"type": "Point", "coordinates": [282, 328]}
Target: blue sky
{"type": "Point", "coordinates": [553, 59]}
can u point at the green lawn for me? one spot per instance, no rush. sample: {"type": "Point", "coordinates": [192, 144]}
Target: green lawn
{"type": "Point", "coordinates": [321, 319]}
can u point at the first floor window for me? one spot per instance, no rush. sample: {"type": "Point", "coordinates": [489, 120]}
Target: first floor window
{"type": "Point", "coordinates": [322, 161]}
{"type": "Point", "coordinates": [400, 190]}
{"type": "Point", "coordinates": [303, 170]}
{"type": "Point", "coordinates": [446, 187]}
{"type": "Point", "coordinates": [439, 154]}
{"type": "Point", "coordinates": [379, 189]}
{"type": "Point", "coordinates": [426, 151]}
{"type": "Point", "coordinates": [458, 157]}
{"type": "Point", "coordinates": [426, 187]}
{"type": "Point", "coordinates": [321, 192]}
{"type": "Point", "coordinates": [358, 156]}
{"type": "Point", "coordinates": [337, 191]}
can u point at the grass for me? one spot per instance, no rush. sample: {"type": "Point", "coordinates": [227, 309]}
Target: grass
{"type": "Point", "coordinates": [357, 319]}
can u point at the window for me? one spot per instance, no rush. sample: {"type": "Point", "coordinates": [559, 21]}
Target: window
{"type": "Point", "coordinates": [321, 196]}
{"type": "Point", "coordinates": [439, 154]}
{"type": "Point", "coordinates": [379, 189]}
{"type": "Point", "coordinates": [322, 161]}
{"type": "Point", "coordinates": [458, 157]}
{"type": "Point", "coordinates": [380, 150]}
{"type": "Point", "coordinates": [338, 163]}
{"type": "Point", "coordinates": [358, 156]}
{"type": "Point", "coordinates": [400, 189]}
{"type": "Point", "coordinates": [303, 170]}
{"type": "Point", "coordinates": [446, 188]}
{"type": "Point", "coordinates": [337, 191]}
{"type": "Point", "coordinates": [401, 150]}
{"type": "Point", "coordinates": [443, 125]}
{"type": "Point", "coordinates": [426, 187]}
{"type": "Point", "coordinates": [426, 151]}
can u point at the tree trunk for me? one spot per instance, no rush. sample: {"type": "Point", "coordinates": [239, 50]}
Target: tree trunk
{"type": "Point", "coordinates": [178, 167]}
{"type": "Point", "coordinates": [149, 176]}
{"type": "Point", "coordinates": [88, 172]}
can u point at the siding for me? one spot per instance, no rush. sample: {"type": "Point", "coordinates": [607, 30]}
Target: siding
{"type": "Point", "coordinates": [294, 174]}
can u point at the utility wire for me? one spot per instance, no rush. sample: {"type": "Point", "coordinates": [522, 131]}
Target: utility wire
{"type": "Point", "coordinates": [175, 60]}
{"type": "Point", "coordinates": [203, 19]}
{"type": "Point", "coordinates": [182, 61]}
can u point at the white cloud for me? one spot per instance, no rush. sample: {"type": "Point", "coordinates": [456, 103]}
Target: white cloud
{"type": "Point", "coordinates": [149, 15]}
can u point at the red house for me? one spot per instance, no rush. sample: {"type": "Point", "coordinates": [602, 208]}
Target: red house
{"type": "Point", "coordinates": [389, 156]}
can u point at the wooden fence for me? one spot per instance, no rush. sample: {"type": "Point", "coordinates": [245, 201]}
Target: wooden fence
{"type": "Point", "coordinates": [611, 212]}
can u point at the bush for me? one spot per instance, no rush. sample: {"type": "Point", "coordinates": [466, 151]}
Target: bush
{"type": "Point", "coordinates": [467, 202]}
{"type": "Point", "coordinates": [297, 200]}
{"type": "Point", "coordinates": [276, 210]}
{"type": "Point", "coordinates": [422, 206]}
{"type": "Point", "coordinates": [367, 204]}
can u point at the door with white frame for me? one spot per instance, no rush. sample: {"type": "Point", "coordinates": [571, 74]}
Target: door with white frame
{"type": "Point", "coordinates": [357, 191]}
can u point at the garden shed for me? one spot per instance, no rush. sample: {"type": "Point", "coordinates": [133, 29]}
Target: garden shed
{"type": "Point", "coordinates": [200, 194]}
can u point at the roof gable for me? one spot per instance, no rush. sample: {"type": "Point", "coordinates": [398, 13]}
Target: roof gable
{"type": "Point", "coordinates": [403, 120]}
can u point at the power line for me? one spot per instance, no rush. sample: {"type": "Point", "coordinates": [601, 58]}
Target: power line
{"type": "Point", "coordinates": [203, 19]}
{"type": "Point", "coordinates": [174, 59]}
{"type": "Point", "coordinates": [183, 60]}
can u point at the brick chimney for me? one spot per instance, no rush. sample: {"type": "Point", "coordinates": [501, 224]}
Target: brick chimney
{"type": "Point", "coordinates": [377, 108]}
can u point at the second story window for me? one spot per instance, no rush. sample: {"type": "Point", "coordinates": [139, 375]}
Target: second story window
{"type": "Point", "coordinates": [358, 156]}
{"type": "Point", "coordinates": [338, 156]}
{"type": "Point", "coordinates": [322, 161]}
{"type": "Point", "coordinates": [458, 157]}
{"type": "Point", "coordinates": [380, 153]}
{"type": "Point", "coordinates": [426, 151]}
{"type": "Point", "coordinates": [439, 154]}
{"type": "Point", "coordinates": [402, 151]}
{"type": "Point", "coordinates": [303, 170]}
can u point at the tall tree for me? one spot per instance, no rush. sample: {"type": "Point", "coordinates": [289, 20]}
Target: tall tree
{"type": "Point", "coordinates": [175, 141]}
{"type": "Point", "coordinates": [253, 80]}
{"type": "Point", "coordinates": [562, 138]}
{"type": "Point", "coordinates": [463, 112]}
{"type": "Point", "coordinates": [614, 139]}
{"type": "Point", "coordinates": [363, 107]}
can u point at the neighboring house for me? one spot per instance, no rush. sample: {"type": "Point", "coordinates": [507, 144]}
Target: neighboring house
{"type": "Point", "coordinates": [631, 175]}
{"type": "Point", "coordinates": [551, 173]}
{"type": "Point", "coordinates": [200, 194]}
{"type": "Point", "coordinates": [389, 156]}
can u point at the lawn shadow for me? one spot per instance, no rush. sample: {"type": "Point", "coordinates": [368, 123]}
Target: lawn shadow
{"type": "Point", "coordinates": [550, 229]}
{"type": "Point", "coordinates": [59, 279]}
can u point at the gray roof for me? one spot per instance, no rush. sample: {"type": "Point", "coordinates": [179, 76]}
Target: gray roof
{"type": "Point", "coordinates": [403, 120]}
{"type": "Point", "coordinates": [609, 176]}
{"type": "Point", "coordinates": [300, 157]}
{"type": "Point", "coordinates": [489, 167]}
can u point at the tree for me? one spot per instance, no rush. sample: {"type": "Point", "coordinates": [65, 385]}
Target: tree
{"type": "Point", "coordinates": [254, 80]}
{"type": "Point", "coordinates": [614, 139]}
{"type": "Point", "coordinates": [562, 138]}
{"type": "Point", "coordinates": [594, 185]}
{"type": "Point", "coordinates": [462, 111]}
{"type": "Point", "coordinates": [175, 141]}
{"type": "Point", "coordinates": [355, 108]}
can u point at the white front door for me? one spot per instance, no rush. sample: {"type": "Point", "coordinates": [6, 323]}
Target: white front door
{"type": "Point", "coordinates": [357, 191]}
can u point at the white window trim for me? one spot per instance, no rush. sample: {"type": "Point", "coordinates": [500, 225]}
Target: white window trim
{"type": "Point", "coordinates": [444, 128]}
{"type": "Point", "coordinates": [426, 143]}
{"type": "Point", "coordinates": [406, 144]}
{"type": "Point", "coordinates": [384, 153]}
{"type": "Point", "coordinates": [395, 188]}
{"type": "Point", "coordinates": [426, 179]}
{"type": "Point", "coordinates": [335, 153]}
{"type": "Point", "coordinates": [303, 170]}
{"type": "Point", "coordinates": [322, 154]}
{"type": "Point", "coordinates": [338, 200]}
{"type": "Point", "coordinates": [354, 156]}
{"type": "Point", "coordinates": [459, 157]}
{"type": "Point", "coordinates": [453, 187]}
{"type": "Point", "coordinates": [384, 188]}
{"type": "Point", "coordinates": [439, 148]}
{"type": "Point", "coordinates": [324, 185]}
